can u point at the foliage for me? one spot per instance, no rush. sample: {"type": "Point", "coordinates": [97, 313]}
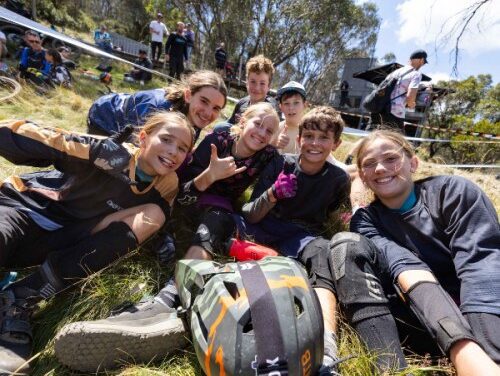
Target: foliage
{"type": "Point", "coordinates": [474, 106]}
{"type": "Point", "coordinates": [307, 41]}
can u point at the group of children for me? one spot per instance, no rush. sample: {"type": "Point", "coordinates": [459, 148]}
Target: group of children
{"type": "Point", "coordinates": [416, 244]}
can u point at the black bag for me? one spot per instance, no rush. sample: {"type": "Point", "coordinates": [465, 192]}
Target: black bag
{"type": "Point", "coordinates": [380, 97]}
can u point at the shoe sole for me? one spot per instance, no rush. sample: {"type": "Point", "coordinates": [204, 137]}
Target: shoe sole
{"type": "Point", "coordinates": [96, 346]}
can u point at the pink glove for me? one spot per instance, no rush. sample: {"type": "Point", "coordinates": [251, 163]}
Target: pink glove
{"type": "Point", "coordinates": [285, 186]}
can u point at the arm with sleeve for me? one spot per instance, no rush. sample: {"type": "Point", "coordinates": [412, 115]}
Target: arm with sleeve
{"type": "Point", "coordinates": [474, 240]}
{"type": "Point", "coordinates": [188, 193]}
{"type": "Point", "coordinates": [170, 40]}
{"type": "Point", "coordinates": [30, 144]}
{"type": "Point", "coordinates": [236, 111]}
{"type": "Point", "coordinates": [411, 95]}
{"type": "Point", "coordinates": [23, 61]}
{"type": "Point", "coordinates": [259, 205]}
{"type": "Point", "coordinates": [396, 257]}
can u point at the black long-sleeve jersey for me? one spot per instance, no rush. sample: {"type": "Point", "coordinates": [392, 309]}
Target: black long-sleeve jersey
{"type": "Point", "coordinates": [453, 228]}
{"type": "Point", "coordinates": [75, 189]}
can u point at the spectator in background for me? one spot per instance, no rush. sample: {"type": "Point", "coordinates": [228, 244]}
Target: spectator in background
{"type": "Point", "coordinates": [176, 51]}
{"type": "Point", "coordinates": [33, 65]}
{"type": "Point", "coordinates": [157, 28]}
{"type": "Point", "coordinates": [220, 60]}
{"type": "Point", "coordinates": [189, 35]}
{"type": "Point", "coordinates": [138, 74]}
{"type": "Point", "coordinates": [102, 39]}
{"type": "Point", "coordinates": [59, 74]}
{"type": "Point", "coordinates": [344, 93]}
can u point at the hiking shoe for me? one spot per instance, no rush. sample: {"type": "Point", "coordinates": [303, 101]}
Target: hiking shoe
{"type": "Point", "coordinates": [15, 334]}
{"type": "Point", "coordinates": [137, 334]}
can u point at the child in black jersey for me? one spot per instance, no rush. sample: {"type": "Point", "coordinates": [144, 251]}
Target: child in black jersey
{"type": "Point", "coordinates": [438, 248]}
{"type": "Point", "coordinates": [291, 204]}
{"type": "Point", "coordinates": [101, 200]}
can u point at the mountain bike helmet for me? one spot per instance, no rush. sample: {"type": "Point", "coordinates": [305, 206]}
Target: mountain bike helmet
{"type": "Point", "coordinates": [252, 318]}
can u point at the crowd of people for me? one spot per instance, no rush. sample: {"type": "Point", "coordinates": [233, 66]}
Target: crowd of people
{"type": "Point", "coordinates": [417, 271]}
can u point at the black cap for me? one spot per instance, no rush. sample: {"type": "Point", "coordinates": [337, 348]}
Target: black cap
{"type": "Point", "coordinates": [419, 54]}
{"type": "Point", "coordinates": [143, 52]}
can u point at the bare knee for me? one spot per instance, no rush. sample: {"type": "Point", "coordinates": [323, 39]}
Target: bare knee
{"type": "Point", "coordinates": [148, 220]}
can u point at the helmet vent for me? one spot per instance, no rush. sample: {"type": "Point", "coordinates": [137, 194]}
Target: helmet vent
{"type": "Point", "coordinates": [203, 328]}
{"type": "Point", "coordinates": [299, 307]}
{"type": "Point", "coordinates": [248, 326]}
{"type": "Point", "coordinates": [232, 289]}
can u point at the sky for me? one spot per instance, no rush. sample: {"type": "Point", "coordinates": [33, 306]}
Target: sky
{"type": "Point", "coordinates": [407, 25]}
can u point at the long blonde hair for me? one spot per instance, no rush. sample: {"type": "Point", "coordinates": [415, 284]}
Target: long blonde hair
{"type": "Point", "coordinates": [195, 82]}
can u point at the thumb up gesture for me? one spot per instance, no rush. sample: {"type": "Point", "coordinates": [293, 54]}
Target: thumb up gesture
{"type": "Point", "coordinates": [221, 168]}
{"type": "Point", "coordinates": [285, 185]}
{"type": "Point", "coordinates": [283, 138]}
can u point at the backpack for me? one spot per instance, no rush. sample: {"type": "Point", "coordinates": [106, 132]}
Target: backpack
{"type": "Point", "coordinates": [380, 97]}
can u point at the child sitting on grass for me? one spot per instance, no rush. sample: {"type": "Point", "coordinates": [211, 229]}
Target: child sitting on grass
{"type": "Point", "coordinates": [291, 205]}
{"type": "Point", "coordinates": [99, 202]}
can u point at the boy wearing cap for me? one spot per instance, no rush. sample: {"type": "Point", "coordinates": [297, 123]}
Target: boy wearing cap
{"type": "Point", "coordinates": [259, 72]}
{"type": "Point", "coordinates": [292, 103]}
{"type": "Point", "coordinates": [403, 95]}
{"type": "Point", "coordinates": [157, 29]}
{"type": "Point", "coordinates": [292, 100]}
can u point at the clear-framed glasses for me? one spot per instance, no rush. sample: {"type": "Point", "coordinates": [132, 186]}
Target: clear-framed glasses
{"type": "Point", "coordinates": [391, 161]}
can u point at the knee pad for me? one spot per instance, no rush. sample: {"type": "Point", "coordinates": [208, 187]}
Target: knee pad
{"type": "Point", "coordinates": [349, 247]}
{"type": "Point", "coordinates": [214, 231]}
{"type": "Point", "coordinates": [439, 314]}
{"type": "Point", "coordinates": [356, 278]}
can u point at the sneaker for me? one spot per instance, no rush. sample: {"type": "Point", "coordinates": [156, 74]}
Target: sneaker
{"type": "Point", "coordinates": [138, 334]}
{"type": "Point", "coordinates": [15, 334]}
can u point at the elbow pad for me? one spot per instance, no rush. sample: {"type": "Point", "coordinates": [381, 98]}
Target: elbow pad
{"type": "Point", "coordinates": [439, 314]}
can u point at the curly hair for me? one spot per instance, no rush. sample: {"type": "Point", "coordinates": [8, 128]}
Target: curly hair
{"type": "Point", "coordinates": [323, 118]}
{"type": "Point", "coordinates": [260, 64]}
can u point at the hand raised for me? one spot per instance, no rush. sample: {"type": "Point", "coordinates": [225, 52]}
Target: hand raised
{"type": "Point", "coordinates": [283, 139]}
{"type": "Point", "coordinates": [285, 185]}
{"type": "Point", "coordinates": [221, 168]}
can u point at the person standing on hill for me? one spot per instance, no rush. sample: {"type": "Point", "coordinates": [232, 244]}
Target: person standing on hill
{"type": "Point", "coordinates": [176, 51]}
{"type": "Point", "coordinates": [189, 34]}
{"type": "Point", "coordinates": [157, 28]}
{"type": "Point", "coordinates": [220, 59]}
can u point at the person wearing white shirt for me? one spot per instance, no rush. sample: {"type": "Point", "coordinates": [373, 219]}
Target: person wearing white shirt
{"type": "Point", "coordinates": [403, 96]}
{"type": "Point", "coordinates": [157, 29]}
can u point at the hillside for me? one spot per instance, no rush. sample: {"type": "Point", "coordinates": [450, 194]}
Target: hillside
{"type": "Point", "coordinates": [140, 274]}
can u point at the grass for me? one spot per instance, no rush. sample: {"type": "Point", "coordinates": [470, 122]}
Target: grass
{"type": "Point", "coordinates": [140, 274]}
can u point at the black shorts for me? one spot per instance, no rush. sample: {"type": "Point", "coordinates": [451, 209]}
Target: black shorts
{"type": "Point", "coordinates": [24, 243]}
{"type": "Point", "coordinates": [210, 228]}
{"type": "Point", "coordinates": [314, 257]}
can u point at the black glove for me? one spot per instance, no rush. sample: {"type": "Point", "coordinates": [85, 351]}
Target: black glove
{"type": "Point", "coordinates": [110, 156]}
{"type": "Point", "coordinates": [166, 250]}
